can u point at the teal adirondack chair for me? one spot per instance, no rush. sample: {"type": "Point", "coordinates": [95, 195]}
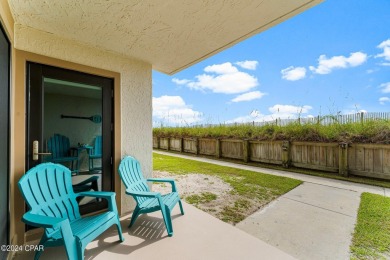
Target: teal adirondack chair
{"type": "Point", "coordinates": [147, 201]}
{"type": "Point", "coordinates": [47, 189]}
{"type": "Point", "coordinates": [95, 152]}
{"type": "Point", "coordinates": [61, 152]}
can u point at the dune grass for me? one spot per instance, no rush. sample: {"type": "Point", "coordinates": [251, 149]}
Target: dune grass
{"type": "Point", "coordinates": [247, 186]}
{"type": "Point", "coordinates": [371, 238]}
{"type": "Point", "coordinates": [373, 131]}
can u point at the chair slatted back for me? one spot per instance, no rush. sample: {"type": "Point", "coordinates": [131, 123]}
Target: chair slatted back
{"type": "Point", "coordinates": [97, 149]}
{"type": "Point", "coordinates": [47, 189]}
{"type": "Point", "coordinates": [59, 146]}
{"type": "Point", "coordinates": [131, 175]}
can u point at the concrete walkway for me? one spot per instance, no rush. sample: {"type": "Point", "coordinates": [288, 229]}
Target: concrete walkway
{"type": "Point", "coordinates": [197, 236]}
{"type": "Point", "coordinates": [314, 221]}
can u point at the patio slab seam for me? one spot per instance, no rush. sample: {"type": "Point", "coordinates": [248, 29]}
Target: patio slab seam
{"type": "Point", "coordinates": [312, 205]}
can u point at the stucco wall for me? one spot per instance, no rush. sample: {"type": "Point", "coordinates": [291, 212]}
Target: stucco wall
{"type": "Point", "coordinates": [135, 90]}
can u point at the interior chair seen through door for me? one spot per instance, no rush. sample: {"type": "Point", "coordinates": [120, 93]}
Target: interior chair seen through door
{"type": "Point", "coordinates": [61, 152]}
{"type": "Point", "coordinates": [95, 152]}
{"type": "Point", "coordinates": [147, 201]}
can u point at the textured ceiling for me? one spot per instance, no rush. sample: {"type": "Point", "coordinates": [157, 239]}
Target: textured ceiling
{"type": "Point", "coordinates": [169, 34]}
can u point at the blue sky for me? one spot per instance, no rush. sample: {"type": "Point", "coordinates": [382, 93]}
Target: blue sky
{"type": "Point", "coordinates": [333, 58]}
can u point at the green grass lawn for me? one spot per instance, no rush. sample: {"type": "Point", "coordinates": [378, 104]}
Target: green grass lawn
{"type": "Point", "coordinates": [371, 239]}
{"type": "Point", "coordinates": [247, 185]}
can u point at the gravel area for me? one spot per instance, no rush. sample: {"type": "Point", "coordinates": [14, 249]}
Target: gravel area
{"type": "Point", "coordinates": [198, 184]}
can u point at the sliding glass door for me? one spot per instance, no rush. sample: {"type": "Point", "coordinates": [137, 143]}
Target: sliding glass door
{"type": "Point", "coordinates": [69, 121]}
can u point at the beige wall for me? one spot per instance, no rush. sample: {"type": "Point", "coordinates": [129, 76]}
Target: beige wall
{"type": "Point", "coordinates": [133, 107]}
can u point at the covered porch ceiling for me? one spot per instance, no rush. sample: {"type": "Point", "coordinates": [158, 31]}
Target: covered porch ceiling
{"type": "Point", "coordinates": [171, 35]}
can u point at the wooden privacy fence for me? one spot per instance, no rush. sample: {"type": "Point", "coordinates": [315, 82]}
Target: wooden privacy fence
{"type": "Point", "coordinates": [369, 160]}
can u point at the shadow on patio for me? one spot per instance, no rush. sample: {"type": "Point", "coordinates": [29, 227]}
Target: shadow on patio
{"type": "Point", "coordinates": [197, 235]}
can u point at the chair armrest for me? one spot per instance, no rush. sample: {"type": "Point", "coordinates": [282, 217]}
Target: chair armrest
{"type": "Point", "coordinates": [55, 223]}
{"type": "Point", "coordinates": [148, 194]}
{"type": "Point", "coordinates": [171, 181]}
{"type": "Point", "coordinates": [89, 149]}
{"type": "Point", "coordinates": [160, 180]}
{"type": "Point", "coordinates": [42, 221]}
{"type": "Point", "coordinates": [97, 194]}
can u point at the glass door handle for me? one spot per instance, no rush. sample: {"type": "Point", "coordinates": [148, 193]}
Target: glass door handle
{"type": "Point", "coordinates": [36, 152]}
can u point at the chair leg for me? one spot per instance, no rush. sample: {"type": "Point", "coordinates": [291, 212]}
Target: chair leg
{"type": "Point", "coordinates": [94, 186]}
{"type": "Point", "coordinates": [167, 220]}
{"type": "Point", "coordinates": [134, 216]}
{"type": "Point", "coordinates": [81, 250]}
{"type": "Point", "coordinates": [72, 251]}
{"type": "Point", "coordinates": [181, 207]}
{"type": "Point", "coordinates": [118, 226]}
{"type": "Point", "coordinates": [72, 244]}
{"type": "Point", "coordinates": [39, 252]}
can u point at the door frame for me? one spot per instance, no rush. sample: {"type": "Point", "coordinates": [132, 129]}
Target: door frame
{"type": "Point", "coordinates": [8, 138]}
{"type": "Point", "coordinates": [36, 72]}
{"type": "Point", "coordinates": [19, 133]}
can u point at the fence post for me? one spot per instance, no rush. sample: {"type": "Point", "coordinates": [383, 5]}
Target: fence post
{"type": "Point", "coordinates": [246, 152]}
{"type": "Point", "coordinates": [286, 154]}
{"type": "Point", "coordinates": [197, 146]}
{"type": "Point", "coordinates": [343, 159]}
{"type": "Point", "coordinates": [168, 143]}
{"type": "Point", "coordinates": [158, 142]}
{"type": "Point", "coordinates": [181, 144]}
{"type": "Point", "coordinates": [218, 147]}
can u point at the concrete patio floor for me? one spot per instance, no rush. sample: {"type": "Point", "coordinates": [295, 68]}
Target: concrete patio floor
{"type": "Point", "coordinates": [197, 235]}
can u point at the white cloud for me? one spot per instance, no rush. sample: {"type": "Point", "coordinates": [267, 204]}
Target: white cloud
{"type": "Point", "coordinates": [293, 73]}
{"type": "Point", "coordinates": [254, 116]}
{"type": "Point", "coordinates": [289, 110]}
{"type": "Point", "coordinates": [222, 78]}
{"type": "Point", "coordinates": [224, 68]}
{"type": "Point", "coordinates": [385, 87]}
{"type": "Point", "coordinates": [248, 96]}
{"type": "Point", "coordinates": [173, 110]}
{"type": "Point", "coordinates": [180, 81]}
{"type": "Point", "coordinates": [383, 100]}
{"type": "Point", "coordinates": [385, 45]}
{"type": "Point", "coordinates": [248, 64]}
{"type": "Point", "coordinates": [325, 65]}
{"type": "Point", "coordinates": [277, 112]}
{"type": "Point", "coordinates": [353, 111]}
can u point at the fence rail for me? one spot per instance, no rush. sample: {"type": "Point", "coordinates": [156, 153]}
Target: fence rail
{"type": "Point", "coordinates": [369, 160]}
